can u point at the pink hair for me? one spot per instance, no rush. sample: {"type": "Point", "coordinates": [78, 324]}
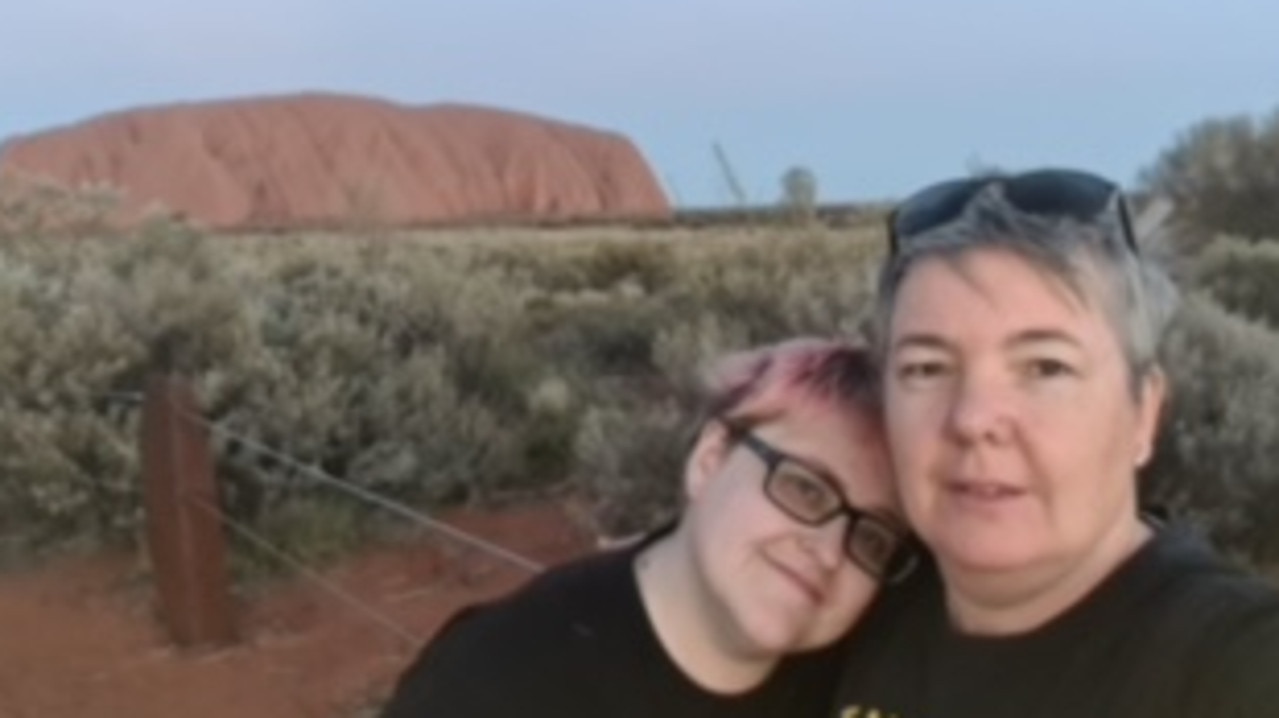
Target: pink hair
{"type": "Point", "coordinates": [752, 386]}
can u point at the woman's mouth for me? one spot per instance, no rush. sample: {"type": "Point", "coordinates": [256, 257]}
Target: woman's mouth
{"type": "Point", "coordinates": [809, 587]}
{"type": "Point", "coordinates": [984, 492]}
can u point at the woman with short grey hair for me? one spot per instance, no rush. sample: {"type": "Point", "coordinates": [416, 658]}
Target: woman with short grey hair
{"type": "Point", "coordinates": [1017, 326]}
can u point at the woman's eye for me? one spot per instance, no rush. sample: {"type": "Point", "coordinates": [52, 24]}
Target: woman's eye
{"type": "Point", "coordinates": [814, 492]}
{"type": "Point", "coordinates": [921, 370]}
{"type": "Point", "coordinates": [875, 546]}
{"type": "Point", "coordinates": [1048, 368]}
{"type": "Point", "coordinates": [807, 490]}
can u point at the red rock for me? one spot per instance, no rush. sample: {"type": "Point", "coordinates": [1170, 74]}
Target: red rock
{"type": "Point", "coordinates": [325, 160]}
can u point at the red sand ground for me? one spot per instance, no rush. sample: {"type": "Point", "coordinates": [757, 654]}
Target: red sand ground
{"type": "Point", "coordinates": [78, 637]}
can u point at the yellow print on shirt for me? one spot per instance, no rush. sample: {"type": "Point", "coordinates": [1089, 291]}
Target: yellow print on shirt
{"type": "Point", "coordinates": [859, 712]}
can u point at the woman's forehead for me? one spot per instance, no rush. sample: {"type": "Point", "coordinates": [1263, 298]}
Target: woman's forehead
{"type": "Point", "coordinates": [953, 289]}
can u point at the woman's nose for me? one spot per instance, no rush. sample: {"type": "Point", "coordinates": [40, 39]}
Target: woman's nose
{"type": "Point", "coordinates": [979, 411]}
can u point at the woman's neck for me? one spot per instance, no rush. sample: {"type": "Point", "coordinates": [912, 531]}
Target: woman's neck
{"type": "Point", "coordinates": [1010, 602]}
{"type": "Point", "coordinates": [692, 627]}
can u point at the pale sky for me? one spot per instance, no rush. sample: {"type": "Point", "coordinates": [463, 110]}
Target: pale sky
{"type": "Point", "coordinates": [876, 96]}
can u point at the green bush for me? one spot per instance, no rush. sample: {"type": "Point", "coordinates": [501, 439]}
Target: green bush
{"type": "Point", "coordinates": [1242, 277]}
{"type": "Point", "coordinates": [1223, 176]}
{"type": "Point", "coordinates": [594, 334]}
{"type": "Point", "coordinates": [433, 369]}
{"type": "Point", "coordinates": [630, 461]}
{"type": "Point", "coordinates": [484, 366]}
{"type": "Point", "coordinates": [309, 528]}
{"type": "Point", "coordinates": [651, 266]}
{"type": "Point", "coordinates": [35, 207]}
{"type": "Point", "coordinates": [1216, 457]}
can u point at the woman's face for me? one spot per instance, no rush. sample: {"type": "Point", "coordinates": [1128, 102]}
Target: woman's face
{"type": "Point", "coordinates": [1011, 417]}
{"type": "Point", "coordinates": [783, 586]}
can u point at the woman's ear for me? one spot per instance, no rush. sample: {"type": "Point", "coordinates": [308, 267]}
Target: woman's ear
{"type": "Point", "coordinates": [1154, 394]}
{"type": "Point", "coordinates": [706, 459]}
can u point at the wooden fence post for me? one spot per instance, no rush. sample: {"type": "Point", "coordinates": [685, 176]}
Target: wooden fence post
{"type": "Point", "coordinates": [184, 532]}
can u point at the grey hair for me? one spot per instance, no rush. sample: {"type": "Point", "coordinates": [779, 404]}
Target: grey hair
{"type": "Point", "coordinates": [1091, 259]}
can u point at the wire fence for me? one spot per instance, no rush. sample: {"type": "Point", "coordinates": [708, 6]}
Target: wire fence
{"type": "Point", "coordinates": [319, 476]}
{"type": "Point", "coordinates": [333, 589]}
{"type": "Point", "coordinates": [322, 478]}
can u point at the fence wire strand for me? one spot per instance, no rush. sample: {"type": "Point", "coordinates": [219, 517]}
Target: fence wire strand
{"type": "Point", "coordinates": [390, 505]}
{"type": "Point", "coordinates": [332, 588]}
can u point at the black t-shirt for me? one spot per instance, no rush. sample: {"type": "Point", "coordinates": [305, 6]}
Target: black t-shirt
{"type": "Point", "coordinates": [1173, 632]}
{"type": "Point", "coordinates": [576, 643]}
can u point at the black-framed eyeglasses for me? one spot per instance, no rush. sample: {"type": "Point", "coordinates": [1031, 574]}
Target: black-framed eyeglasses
{"type": "Point", "coordinates": [878, 544]}
{"type": "Point", "coordinates": [1071, 193]}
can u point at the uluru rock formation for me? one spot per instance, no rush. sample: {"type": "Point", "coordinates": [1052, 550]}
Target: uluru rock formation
{"type": "Point", "coordinates": [323, 160]}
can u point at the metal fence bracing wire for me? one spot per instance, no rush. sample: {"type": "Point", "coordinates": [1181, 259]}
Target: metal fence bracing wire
{"type": "Point", "coordinates": [338, 592]}
{"type": "Point", "coordinates": [183, 411]}
{"type": "Point", "coordinates": [394, 507]}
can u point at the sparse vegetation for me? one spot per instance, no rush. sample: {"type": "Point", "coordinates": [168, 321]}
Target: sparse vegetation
{"type": "Point", "coordinates": [1241, 276]}
{"type": "Point", "coordinates": [35, 207]}
{"type": "Point", "coordinates": [1215, 461]}
{"type": "Point", "coordinates": [482, 366]}
{"type": "Point", "coordinates": [1223, 175]}
{"type": "Point", "coordinates": [435, 368]}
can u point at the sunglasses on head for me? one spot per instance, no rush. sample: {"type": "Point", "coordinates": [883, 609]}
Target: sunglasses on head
{"type": "Point", "coordinates": [1082, 196]}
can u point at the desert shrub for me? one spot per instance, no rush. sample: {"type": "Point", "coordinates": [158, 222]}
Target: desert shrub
{"type": "Point", "coordinates": [785, 285]}
{"type": "Point", "coordinates": [684, 348]}
{"type": "Point", "coordinates": [1223, 175]}
{"type": "Point", "coordinates": [634, 436]}
{"type": "Point", "coordinates": [405, 384]}
{"type": "Point", "coordinates": [599, 334]}
{"type": "Point", "coordinates": [631, 445]}
{"type": "Point", "coordinates": [70, 476]}
{"type": "Point", "coordinates": [310, 528]}
{"type": "Point", "coordinates": [575, 261]}
{"type": "Point", "coordinates": [33, 207]}
{"type": "Point", "coordinates": [649, 265]}
{"type": "Point", "coordinates": [436, 370]}
{"type": "Point", "coordinates": [1241, 276]}
{"type": "Point", "coordinates": [630, 465]}
{"type": "Point", "coordinates": [67, 451]}
{"type": "Point", "coordinates": [1215, 459]}
{"type": "Point", "coordinates": [432, 369]}
{"type": "Point", "coordinates": [548, 452]}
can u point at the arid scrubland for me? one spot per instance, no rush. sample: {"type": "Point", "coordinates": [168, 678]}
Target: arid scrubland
{"type": "Point", "coordinates": [487, 365]}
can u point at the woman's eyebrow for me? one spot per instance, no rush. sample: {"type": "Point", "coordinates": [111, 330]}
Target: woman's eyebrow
{"type": "Point", "coordinates": [1042, 336]}
{"type": "Point", "coordinates": [920, 340]}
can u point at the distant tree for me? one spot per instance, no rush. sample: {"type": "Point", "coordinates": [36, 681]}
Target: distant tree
{"type": "Point", "coordinates": [978, 167]}
{"type": "Point", "coordinates": [1223, 176]}
{"type": "Point", "coordinates": [799, 193]}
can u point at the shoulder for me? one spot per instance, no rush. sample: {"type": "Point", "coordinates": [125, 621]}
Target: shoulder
{"type": "Point", "coordinates": [901, 622]}
{"type": "Point", "coordinates": [1231, 618]}
{"type": "Point", "coordinates": [1237, 665]}
{"type": "Point", "coordinates": [527, 642]}
{"type": "Point", "coordinates": [550, 604]}
{"type": "Point", "coordinates": [1200, 582]}
{"type": "Point", "coordinates": [806, 683]}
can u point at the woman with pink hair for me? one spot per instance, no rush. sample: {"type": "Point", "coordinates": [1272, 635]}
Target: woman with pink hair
{"type": "Point", "coordinates": [736, 608]}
